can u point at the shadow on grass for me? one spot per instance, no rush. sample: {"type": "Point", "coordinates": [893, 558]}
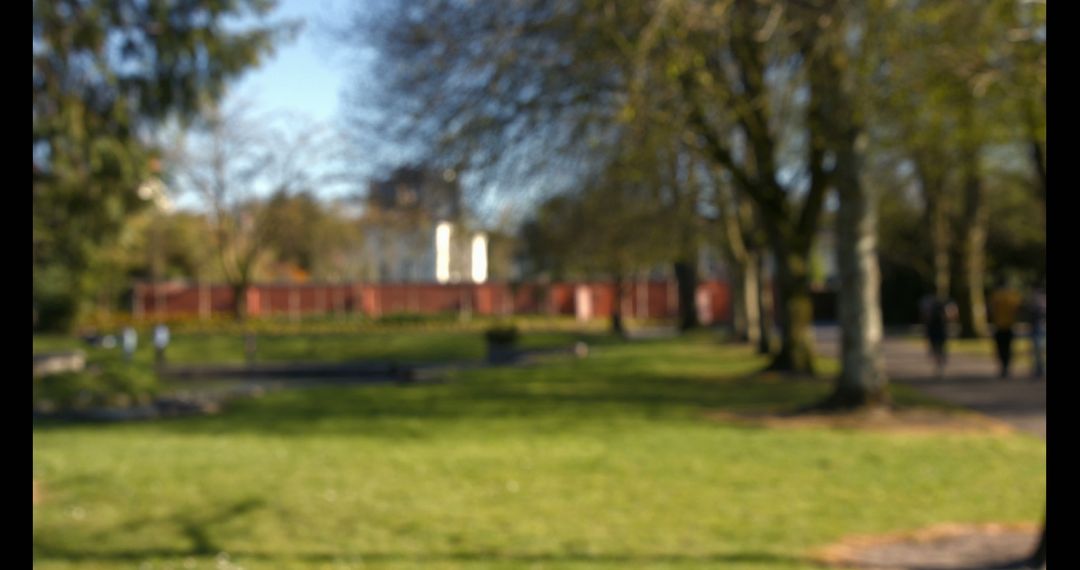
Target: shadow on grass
{"type": "Point", "coordinates": [416, 347]}
{"type": "Point", "coordinates": [195, 527]}
{"type": "Point", "coordinates": [420, 411]}
{"type": "Point", "coordinates": [624, 380]}
{"type": "Point", "coordinates": [510, 558]}
{"type": "Point", "coordinates": [45, 552]}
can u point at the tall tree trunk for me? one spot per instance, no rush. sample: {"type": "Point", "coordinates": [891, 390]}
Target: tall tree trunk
{"type": "Point", "coordinates": [751, 288]}
{"type": "Point", "coordinates": [746, 307]}
{"type": "Point", "coordinates": [240, 308]}
{"type": "Point", "coordinates": [742, 264]}
{"type": "Point", "coordinates": [862, 381]}
{"type": "Point", "coordinates": [617, 327]}
{"type": "Point", "coordinates": [833, 118]}
{"type": "Point", "coordinates": [795, 309]}
{"type": "Point", "coordinates": [790, 226]}
{"type": "Point", "coordinates": [970, 299]}
{"type": "Point", "coordinates": [740, 328]}
{"type": "Point", "coordinates": [765, 307]}
{"type": "Point", "coordinates": [937, 220]}
{"type": "Point", "coordinates": [939, 243]}
{"type": "Point", "coordinates": [685, 201]}
{"type": "Point", "coordinates": [1038, 157]}
{"type": "Point", "coordinates": [686, 284]}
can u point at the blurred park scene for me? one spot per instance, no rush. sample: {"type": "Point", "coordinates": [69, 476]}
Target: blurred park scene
{"type": "Point", "coordinates": [748, 284]}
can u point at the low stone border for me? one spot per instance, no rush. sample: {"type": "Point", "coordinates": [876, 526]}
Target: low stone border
{"type": "Point", "coordinates": [57, 362]}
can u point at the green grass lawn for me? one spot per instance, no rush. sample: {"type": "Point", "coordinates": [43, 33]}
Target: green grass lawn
{"type": "Point", "coordinates": [382, 345]}
{"type": "Point", "coordinates": [605, 462]}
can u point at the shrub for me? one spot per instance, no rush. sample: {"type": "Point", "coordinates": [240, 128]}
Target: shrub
{"type": "Point", "coordinates": [505, 335]}
{"type": "Point", "coordinates": [113, 384]}
{"type": "Point", "coordinates": [417, 319]}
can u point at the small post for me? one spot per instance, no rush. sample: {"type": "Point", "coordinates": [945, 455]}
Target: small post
{"type": "Point", "coordinates": [642, 290]}
{"type": "Point", "coordinates": [320, 299]}
{"type": "Point", "coordinates": [137, 302]}
{"type": "Point", "coordinates": [161, 341]}
{"type": "Point", "coordinates": [204, 301]}
{"type": "Point", "coordinates": [129, 341]}
{"type": "Point", "coordinates": [294, 303]}
{"type": "Point", "coordinates": [249, 348]}
{"type": "Point", "coordinates": [465, 304]}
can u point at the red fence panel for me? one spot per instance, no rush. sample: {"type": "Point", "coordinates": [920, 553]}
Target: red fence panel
{"type": "Point", "coordinates": [653, 299]}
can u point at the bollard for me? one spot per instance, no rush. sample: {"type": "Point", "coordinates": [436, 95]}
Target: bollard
{"type": "Point", "coordinates": [161, 341]}
{"type": "Point", "coordinates": [249, 348]}
{"type": "Point", "coordinates": [129, 340]}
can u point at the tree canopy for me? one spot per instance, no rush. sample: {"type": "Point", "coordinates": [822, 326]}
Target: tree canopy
{"type": "Point", "coordinates": [106, 73]}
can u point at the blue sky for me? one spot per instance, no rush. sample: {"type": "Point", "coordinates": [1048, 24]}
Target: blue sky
{"type": "Point", "coordinates": [305, 76]}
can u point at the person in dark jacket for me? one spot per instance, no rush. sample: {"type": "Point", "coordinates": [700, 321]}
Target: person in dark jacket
{"type": "Point", "coordinates": [1036, 313]}
{"type": "Point", "coordinates": [937, 313]}
{"type": "Point", "coordinates": [1005, 304]}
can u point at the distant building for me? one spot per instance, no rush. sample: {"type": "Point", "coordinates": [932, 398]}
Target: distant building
{"type": "Point", "coordinates": [410, 190]}
{"type": "Point", "coordinates": [417, 231]}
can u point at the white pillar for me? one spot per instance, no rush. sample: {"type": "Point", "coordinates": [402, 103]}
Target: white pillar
{"type": "Point", "coordinates": [583, 302]}
{"type": "Point", "coordinates": [479, 258]}
{"type": "Point", "coordinates": [442, 252]}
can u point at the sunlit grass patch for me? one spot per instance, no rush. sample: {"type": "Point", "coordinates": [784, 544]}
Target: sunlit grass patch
{"type": "Point", "coordinates": [602, 462]}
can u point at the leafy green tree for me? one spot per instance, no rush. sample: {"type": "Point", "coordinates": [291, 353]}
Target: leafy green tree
{"type": "Point", "coordinates": [309, 234]}
{"type": "Point", "coordinates": [601, 231]}
{"type": "Point", "coordinates": [782, 97]}
{"type": "Point", "coordinates": [522, 95]}
{"type": "Point", "coordinates": [961, 81]}
{"type": "Point", "coordinates": [744, 123]}
{"type": "Point", "coordinates": [105, 74]}
{"type": "Point", "coordinates": [224, 169]}
{"type": "Point", "coordinates": [742, 245]}
{"type": "Point", "coordinates": [837, 69]}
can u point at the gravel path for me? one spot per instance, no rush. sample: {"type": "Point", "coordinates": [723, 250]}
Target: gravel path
{"type": "Point", "coordinates": [943, 548]}
{"type": "Point", "coordinates": [970, 380]}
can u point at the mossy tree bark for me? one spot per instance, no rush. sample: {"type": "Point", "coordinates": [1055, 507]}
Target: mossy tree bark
{"type": "Point", "coordinates": [742, 260]}
{"type": "Point", "coordinates": [835, 121]}
{"type": "Point", "coordinates": [971, 250]}
{"type": "Point", "coordinates": [790, 225]}
{"type": "Point", "coordinates": [617, 326]}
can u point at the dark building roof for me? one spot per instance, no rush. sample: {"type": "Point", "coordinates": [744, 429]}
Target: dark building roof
{"type": "Point", "coordinates": [419, 190]}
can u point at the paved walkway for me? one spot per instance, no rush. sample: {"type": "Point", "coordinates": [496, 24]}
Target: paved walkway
{"type": "Point", "coordinates": [970, 380]}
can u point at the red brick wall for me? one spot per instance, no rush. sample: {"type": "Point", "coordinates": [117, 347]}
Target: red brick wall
{"type": "Point", "coordinates": [654, 299]}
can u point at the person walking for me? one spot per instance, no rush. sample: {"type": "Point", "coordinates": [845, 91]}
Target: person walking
{"type": "Point", "coordinates": [1036, 309]}
{"type": "Point", "coordinates": [937, 313]}
{"type": "Point", "coordinates": [1004, 305]}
